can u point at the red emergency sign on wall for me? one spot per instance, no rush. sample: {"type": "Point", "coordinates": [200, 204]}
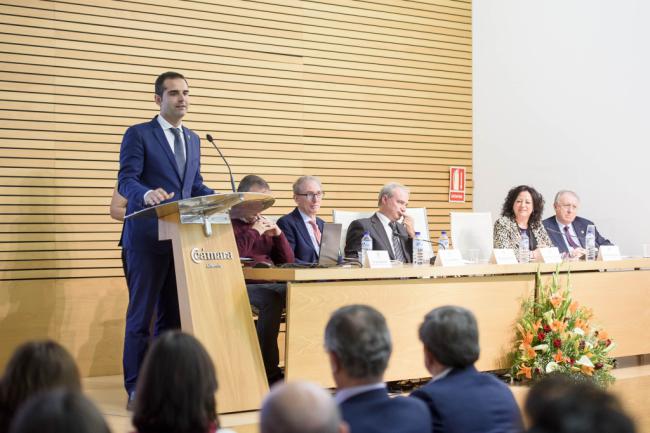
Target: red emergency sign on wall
{"type": "Point", "coordinates": [456, 184]}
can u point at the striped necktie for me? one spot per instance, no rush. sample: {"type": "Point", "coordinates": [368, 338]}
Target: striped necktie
{"type": "Point", "coordinates": [179, 152]}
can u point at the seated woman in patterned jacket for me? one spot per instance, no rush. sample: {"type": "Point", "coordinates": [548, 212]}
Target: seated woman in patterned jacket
{"type": "Point", "coordinates": [521, 215]}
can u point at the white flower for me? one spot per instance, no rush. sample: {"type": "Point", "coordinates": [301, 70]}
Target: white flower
{"type": "Point", "coordinates": [584, 360]}
{"type": "Point", "coordinates": [578, 331]}
{"type": "Point", "coordinates": [551, 367]}
{"type": "Point", "coordinates": [541, 347]}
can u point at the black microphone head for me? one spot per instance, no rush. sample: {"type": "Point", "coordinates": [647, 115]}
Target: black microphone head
{"type": "Point", "coordinates": [209, 137]}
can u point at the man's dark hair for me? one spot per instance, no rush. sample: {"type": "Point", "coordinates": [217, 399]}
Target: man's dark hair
{"type": "Point", "coordinates": [251, 180]}
{"type": "Point", "coordinates": [538, 203]}
{"type": "Point", "coordinates": [59, 411]}
{"type": "Point", "coordinates": [359, 337]}
{"type": "Point", "coordinates": [561, 405]}
{"type": "Point", "coordinates": [450, 334]}
{"type": "Point", "coordinates": [35, 367]}
{"type": "Point", "coordinates": [175, 391]}
{"type": "Point", "coordinates": [159, 87]}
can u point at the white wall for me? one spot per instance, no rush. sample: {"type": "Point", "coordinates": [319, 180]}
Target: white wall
{"type": "Point", "coordinates": [562, 100]}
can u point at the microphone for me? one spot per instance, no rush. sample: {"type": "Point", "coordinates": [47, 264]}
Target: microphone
{"type": "Point", "coordinates": [232, 181]}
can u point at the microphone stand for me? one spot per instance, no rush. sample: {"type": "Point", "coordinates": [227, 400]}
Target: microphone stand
{"type": "Point", "coordinates": [232, 180]}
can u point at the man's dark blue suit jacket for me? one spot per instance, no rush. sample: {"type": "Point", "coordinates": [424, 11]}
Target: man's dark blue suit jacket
{"type": "Point", "coordinates": [466, 401]}
{"type": "Point", "coordinates": [293, 227]}
{"type": "Point", "coordinates": [375, 412]}
{"type": "Point", "coordinates": [147, 162]}
{"type": "Point", "coordinates": [580, 227]}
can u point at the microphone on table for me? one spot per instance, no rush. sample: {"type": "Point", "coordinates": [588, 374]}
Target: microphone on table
{"type": "Point", "coordinates": [232, 180]}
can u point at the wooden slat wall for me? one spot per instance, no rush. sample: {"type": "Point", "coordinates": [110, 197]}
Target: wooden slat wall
{"type": "Point", "coordinates": [356, 92]}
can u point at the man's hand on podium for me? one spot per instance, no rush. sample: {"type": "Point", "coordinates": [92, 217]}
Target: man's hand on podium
{"type": "Point", "coordinates": [157, 196]}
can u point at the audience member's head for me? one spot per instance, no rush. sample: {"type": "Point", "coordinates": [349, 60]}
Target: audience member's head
{"type": "Point", "coordinates": [176, 387]}
{"type": "Point", "coordinates": [59, 411]}
{"type": "Point", "coordinates": [558, 404]}
{"type": "Point", "coordinates": [33, 368]}
{"type": "Point", "coordinates": [300, 407]}
{"type": "Point", "coordinates": [359, 345]}
{"type": "Point", "coordinates": [450, 338]}
{"type": "Point", "coordinates": [308, 194]}
{"type": "Point", "coordinates": [253, 183]}
{"type": "Point", "coordinates": [566, 205]}
{"type": "Point", "coordinates": [528, 195]}
{"type": "Point", "coordinates": [393, 200]}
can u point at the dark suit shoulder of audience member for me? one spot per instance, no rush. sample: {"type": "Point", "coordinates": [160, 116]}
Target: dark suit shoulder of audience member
{"type": "Point", "coordinates": [359, 346]}
{"type": "Point", "coordinates": [469, 401]}
{"type": "Point", "coordinates": [460, 399]}
{"type": "Point", "coordinates": [375, 411]}
{"type": "Point", "coordinates": [35, 367]}
{"type": "Point", "coordinates": [59, 411]}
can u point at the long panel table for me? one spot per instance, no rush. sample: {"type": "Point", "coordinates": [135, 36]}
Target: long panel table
{"type": "Point", "coordinates": [618, 292]}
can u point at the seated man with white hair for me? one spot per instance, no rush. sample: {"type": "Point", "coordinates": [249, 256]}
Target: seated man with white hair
{"type": "Point", "coordinates": [384, 227]}
{"type": "Point", "coordinates": [566, 229]}
{"type": "Point", "coordinates": [300, 407]}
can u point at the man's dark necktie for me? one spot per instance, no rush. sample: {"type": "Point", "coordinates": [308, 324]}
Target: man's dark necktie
{"type": "Point", "coordinates": [179, 152]}
{"type": "Point", "coordinates": [397, 243]}
{"type": "Point", "coordinates": [569, 238]}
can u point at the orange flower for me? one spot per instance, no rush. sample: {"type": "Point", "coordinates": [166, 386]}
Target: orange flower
{"type": "Point", "coordinates": [530, 352]}
{"type": "Point", "coordinates": [556, 300]}
{"type": "Point", "coordinates": [558, 326]}
{"type": "Point", "coordinates": [582, 325]}
{"type": "Point", "coordinates": [603, 335]}
{"type": "Point", "coordinates": [589, 371]}
{"type": "Point", "coordinates": [526, 371]}
{"type": "Point", "coordinates": [537, 325]}
{"type": "Point", "coordinates": [559, 357]}
{"type": "Point", "coordinates": [573, 307]}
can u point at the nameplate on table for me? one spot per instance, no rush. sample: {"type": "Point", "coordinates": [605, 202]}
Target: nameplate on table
{"type": "Point", "coordinates": [504, 256]}
{"type": "Point", "coordinates": [378, 259]}
{"type": "Point", "coordinates": [449, 258]}
{"type": "Point", "coordinates": [608, 253]}
{"type": "Point", "coordinates": [550, 255]}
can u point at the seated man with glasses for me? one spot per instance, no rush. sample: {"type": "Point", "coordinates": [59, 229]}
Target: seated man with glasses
{"type": "Point", "coordinates": [566, 229]}
{"type": "Point", "coordinates": [302, 227]}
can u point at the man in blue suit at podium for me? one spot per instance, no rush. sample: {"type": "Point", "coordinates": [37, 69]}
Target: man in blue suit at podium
{"type": "Point", "coordinates": [159, 161]}
{"type": "Point", "coordinates": [302, 227]}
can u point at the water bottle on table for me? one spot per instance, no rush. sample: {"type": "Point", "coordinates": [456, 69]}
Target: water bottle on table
{"type": "Point", "coordinates": [443, 242]}
{"type": "Point", "coordinates": [590, 242]}
{"type": "Point", "coordinates": [524, 249]}
{"type": "Point", "coordinates": [418, 250]}
{"type": "Point", "coordinates": [366, 245]}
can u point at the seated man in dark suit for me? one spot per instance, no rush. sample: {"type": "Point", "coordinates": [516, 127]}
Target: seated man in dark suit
{"type": "Point", "coordinates": [302, 227]}
{"type": "Point", "coordinates": [359, 346]}
{"type": "Point", "coordinates": [386, 231]}
{"type": "Point", "coordinates": [461, 399]}
{"type": "Point", "coordinates": [567, 230]}
{"type": "Point", "coordinates": [261, 240]}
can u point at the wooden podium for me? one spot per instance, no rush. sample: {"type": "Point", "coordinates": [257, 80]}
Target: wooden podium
{"type": "Point", "coordinates": [212, 297]}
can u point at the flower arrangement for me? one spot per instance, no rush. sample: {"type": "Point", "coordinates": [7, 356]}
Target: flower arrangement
{"type": "Point", "coordinates": [555, 335]}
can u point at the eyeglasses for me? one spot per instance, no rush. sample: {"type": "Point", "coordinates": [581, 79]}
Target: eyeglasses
{"type": "Point", "coordinates": [311, 196]}
{"type": "Point", "coordinates": [569, 206]}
